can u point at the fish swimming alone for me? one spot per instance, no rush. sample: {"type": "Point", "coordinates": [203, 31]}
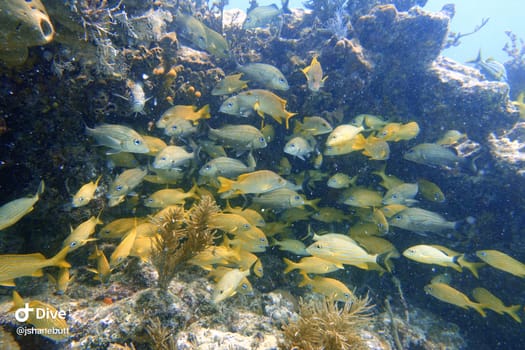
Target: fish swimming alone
{"type": "Point", "coordinates": [15, 210]}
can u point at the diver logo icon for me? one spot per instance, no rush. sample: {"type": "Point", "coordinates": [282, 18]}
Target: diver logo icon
{"type": "Point", "coordinates": [22, 314]}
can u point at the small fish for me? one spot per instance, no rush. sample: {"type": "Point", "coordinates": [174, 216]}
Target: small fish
{"type": "Point", "coordinates": [373, 122]}
{"type": "Point", "coordinates": [329, 287]}
{"type": "Point", "coordinates": [450, 295]}
{"type": "Point", "coordinates": [229, 222]}
{"type": "Point", "coordinates": [118, 138]}
{"type": "Point", "coordinates": [245, 287]}
{"type": "Point", "coordinates": [240, 137]}
{"type": "Point", "coordinates": [430, 191]}
{"type": "Point", "coordinates": [401, 194]}
{"type": "Point", "coordinates": [44, 317]}
{"type": "Point", "coordinates": [299, 147]}
{"type": "Point", "coordinates": [330, 215]}
{"type": "Point", "coordinates": [13, 211]}
{"type": "Point", "coordinates": [421, 221]}
{"type": "Point", "coordinates": [216, 44]}
{"type": "Point", "coordinates": [265, 74]}
{"type": "Point", "coordinates": [263, 102]}
{"type": "Point", "coordinates": [62, 280]}
{"type": "Point", "coordinates": [119, 227]}
{"type": "Point", "coordinates": [227, 167]}
{"type": "Point", "coordinates": [169, 196]}
{"type": "Point", "coordinates": [260, 16]}
{"type": "Point", "coordinates": [259, 181]}
{"type": "Point", "coordinates": [373, 147]}
{"type": "Point", "coordinates": [428, 254]}
{"type": "Point", "coordinates": [312, 126]}
{"type": "Point", "coordinates": [253, 216]}
{"type": "Point", "coordinates": [342, 249]}
{"type": "Point", "coordinates": [362, 197]}
{"type": "Point", "coordinates": [387, 181]}
{"type": "Point", "coordinates": [230, 84]}
{"type": "Point", "coordinates": [214, 255]}
{"type": "Point", "coordinates": [121, 160]}
{"type": "Point", "coordinates": [251, 245]}
{"type": "Point", "coordinates": [180, 128]}
{"type": "Point", "coordinates": [434, 155]}
{"type": "Point", "coordinates": [228, 284]}
{"type": "Point", "coordinates": [340, 180]}
{"type": "Point", "coordinates": [379, 218]}
{"type": "Point", "coordinates": [502, 261]}
{"type": "Point", "coordinates": [282, 198]}
{"type": "Point", "coordinates": [103, 270]}
{"type": "Point", "coordinates": [311, 264]}
{"type": "Point", "coordinates": [85, 194]}
{"type": "Point", "coordinates": [80, 235]}
{"type": "Point", "coordinates": [398, 132]}
{"type": "Point", "coordinates": [451, 137]}
{"type": "Point", "coordinates": [392, 209]}
{"type": "Point", "coordinates": [186, 112]}
{"type": "Point", "coordinates": [343, 135]}
{"type": "Point", "coordinates": [291, 245]}
{"type": "Point", "coordinates": [491, 68]}
{"type": "Point", "coordinates": [18, 265]}
{"type": "Point", "coordinates": [380, 246]}
{"type": "Point", "coordinates": [314, 75]}
{"type": "Point", "coordinates": [136, 97]}
{"type": "Point", "coordinates": [490, 301]}
{"type": "Point", "coordinates": [172, 157]}
{"type": "Point", "coordinates": [122, 251]}
{"type": "Point", "coordinates": [191, 29]}
{"type": "Point", "coordinates": [124, 183]}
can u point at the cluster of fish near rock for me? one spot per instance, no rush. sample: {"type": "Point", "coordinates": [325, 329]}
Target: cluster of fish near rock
{"type": "Point", "coordinates": [245, 230]}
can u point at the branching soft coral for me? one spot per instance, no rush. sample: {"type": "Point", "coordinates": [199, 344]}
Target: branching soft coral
{"type": "Point", "coordinates": [182, 235]}
{"type": "Point", "coordinates": [324, 325]}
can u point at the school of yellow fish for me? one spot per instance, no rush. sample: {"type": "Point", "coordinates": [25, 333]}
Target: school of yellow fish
{"type": "Point", "coordinates": [223, 161]}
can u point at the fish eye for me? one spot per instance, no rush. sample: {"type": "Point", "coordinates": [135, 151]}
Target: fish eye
{"type": "Point", "coordinates": [137, 142]}
{"type": "Point", "coordinates": [262, 240]}
{"type": "Point", "coordinates": [483, 253]}
{"type": "Point", "coordinates": [347, 296]}
{"type": "Point", "coordinates": [149, 200]}
{"type": "Point", "coordinates": [244, 286]}
{"type": "Point", "coordinates": [118, 188]}
{"type": "Point", "coordinates": [281, 80]}
{"type": "Point", "coordinates": [80, 199]}
{"type": "Point", "coordinates": [162, 158]}
{"type": "Point", "coordinates": [230, 104]}
{"type": "Point", "coordinates": [207, 167]}
{"type": "Point", "coordinates": [297, 197]}
{"type": "Point", "coordinates": [246, 226]}
{"type": "Point", "coordinates": [174, 127]}
{"type": "Point", "coordinates": [73, 244]}
{"type": "Point", "coordinates": [262, 139]}
{"type": "Point", "coordinates": [398, 217]}
{"type": "Point", "coordinates": [292, 145]}
{"type": "Point", "coordinates": [394, 196]}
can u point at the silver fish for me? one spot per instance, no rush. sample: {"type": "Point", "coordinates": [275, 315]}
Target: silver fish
{"type": "Point", "coordinates": [124, 183]}
{"type": "Point", "coordinates": [265, 74]}
{"type": "Point", "coordinates": [435, 155]}
{"type": "Point", "coordinates": [119, 138]}
{"type": "Point", "coordinates": [421, 221]}
{"type": "Point", "coordinates": [172, 157]}
{"type": "Point", "coordinates": [261, 16]}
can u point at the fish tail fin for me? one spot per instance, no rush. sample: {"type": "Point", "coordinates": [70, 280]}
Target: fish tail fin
{"type": "Point", "coordinates": [313, 203]}
{"type": "Point", "coordinates": [41, 188]}
{"type": "Point", "coordinates": [193, 192]}
{"type": "Point", "coordinates": [512, 312]}
{"type": "Point", "coordinates": [298, 126]}
{"type": "Point", "coordinates": [290, 265]}
{"type": "Point", "coordinates": [98, 221]}
{"type": "Point", "coordinates": [59, 259]}
{"type": "Point", "coordinates": [204, 112]}
{"type": "Point", "coordinates": [306, 280]}
{"type": "Point", "coordinates": [383, 261]}
{"type": "Point", "coordinates": [359, 142]}
{"type": "Point", "coordinates": [477, 59]}
{"type": "Point", "coordinates": [98, 180]}
{"type": "Point", "coordinates": [287, 118]}
{"type": "Point", "coordinates": [225, 184]}
{"type": "Point", "coordinates": [251, 161]}
{"type": "Point", "coordinates": [478, 308]}
{"type": "Point", "coordinates": [18, 301]}
{"type": "Point", "coordinates": [471, 266]}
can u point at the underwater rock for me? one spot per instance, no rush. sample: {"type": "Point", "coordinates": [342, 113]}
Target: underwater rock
{"type": "Point", "coordinates": [459, 97]}
{"type": "Point", "coordinates": [509, 148]}
{"type": "Point", "coordinates": [408, 40]}
{"type": "Point", "coordinates": [23, 24]}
